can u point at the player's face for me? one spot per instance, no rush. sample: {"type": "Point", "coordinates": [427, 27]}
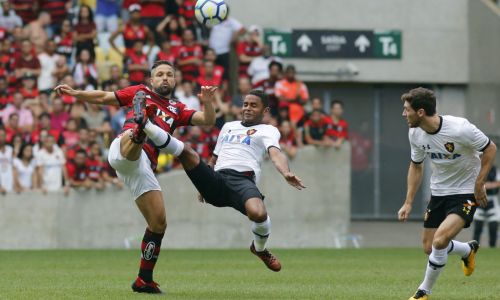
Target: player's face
{"type": "Point", "coordinates": [412, 117]}
{"type": "Point", "coordinates": [253, 110]}
{"type": "Point", "coordinates": [163, 80]}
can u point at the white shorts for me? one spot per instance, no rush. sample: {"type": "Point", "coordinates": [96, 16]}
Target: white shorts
{"type": "Point", "coordinates": [137, 175]}
{"type": "Point", "coordinates": [491, 213]}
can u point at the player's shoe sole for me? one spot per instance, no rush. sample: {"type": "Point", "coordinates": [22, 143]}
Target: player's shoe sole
{"type": "Point", "coordinates": [140, 286]}
{"type": "Point", "coordinates": [469, 263]}
{"type": "Point", "coordinates": [139, 104]}
{"type": "Point", "coordinates": [420, 295]}
{"type": "Point", "coordinates": [271, 261]}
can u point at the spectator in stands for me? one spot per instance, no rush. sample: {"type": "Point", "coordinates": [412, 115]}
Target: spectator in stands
{"type": "Point", "coordinates": [48, 61]}
{"type": "Point", "coordinates": [222, 36]}
{"type": "Point", "coordinates": [18, 141]}
{"type": "Point", "coordinates": [6, 182]}
{"type": "Point", "coordinates": [5, 58]}
{"type": "Point", "coordinates": [258, 70]}
{"type": "Point", "coordinates": [61, 68]}
{"type": "Point", "coordinates": [190, 56]}
{"type": "Point", "coordinates": [115, 75]}
{"type": "Point", "coordinates": [209, 136]}
{"type": "Point", "coordinates": [27, 63]}
{"type": "Point", "coordinates": [209, 74]}
{"type": "Point", "coordinates": [152, 13]}
{"type": "Point", "coordinates": [166, 52]}
{"type": "Point", "coordinates": [106, 15]}
{"type": "Point", "coordinates": [12, 127]}
{"type": "Point", "coordinates": [94, 117]}
{"type": "Point", "coordinates": [244, 87]}
{"type": "Point", "coordinates": [293, 93]}
{"type": "Point", "coordinates": [268, 85]}
{"type": "Point", "coordinates": [248, 49]}
{"type": "Point", "coordinates": [186, 14]}
{"type": "Point", "coordinates": [315, 130]}
{"type": "Point", "coordinates": [85, 72]}
{"type": "Point", "coordinates": [169, 30]}
{"type": "Point", "coordinates": [317, 104]}
{"type": "Point", "coordinates": [50, 162]}
{"type": "Point", "coordinates": [137, 64]}
{"type": "Point", "coordinates": [26, 9]}
{"type": "Point", "coordinates": [338, 128]}
{"type": "Point", "coordinates": [31, 94]}
{"type": "Point", "coordinates": [85, 31]}
{"type": "Point", "coordinates": [44, 125]}
{"type": "Point", "coordinates": [25, 116]}
{"type": "Point", "coordinates": [58, 10]}
{"type": "Point", "coordinates": [24, 169]}
{"type": "Point", "coordinates": [59, 117]}
{"type": "Point", "coordinates": [78, 172]}
{"type": "Point", "coordinates": [36, 31]}
{"type": "Point", "coordinates": [288, 140]}
{"type": "Point", "coordinates": [8, 17]}
{"type": "Point", "coordinates": [64, 40]}
{"type": "Point", "coordinates": [83, 143]}
{"type": "Point", "coordinates": [5, 95]}
{"type": "Point", "coordinates": [186, 96]}
{"type": "Point", "coordinates": [70, 134]}
{"type": "Point", "coordinates": [132, 31]}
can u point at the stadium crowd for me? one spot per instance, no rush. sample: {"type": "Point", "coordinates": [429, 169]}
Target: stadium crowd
{"type": "Point", "coordinates": [50, 142]}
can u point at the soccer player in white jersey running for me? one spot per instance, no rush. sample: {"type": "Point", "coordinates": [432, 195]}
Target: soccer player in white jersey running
{"type": "Point", "coordinates": [457, 184]}
{"type": "Point", "coordinates": [229, 178]}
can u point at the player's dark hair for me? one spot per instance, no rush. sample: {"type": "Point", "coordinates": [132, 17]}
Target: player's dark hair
{"type": "Point", "coordinates": [337, 102]}
{"type": "Point", "coordinates": [159, 63]}
{"type": "Point", "coordinates": [421, 98]}
{"type": "Point", "coordinates": [263, 97]}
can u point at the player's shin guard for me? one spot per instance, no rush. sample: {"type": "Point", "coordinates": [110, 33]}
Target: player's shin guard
{"type": "Point", "coordinates": [150, 249]}
{"type": "Point", "coordinates": [437, 260]}
{"type": "Point", "coordinates": [163, 139]}
{"type": "Point", "coordinates": [261, 233]}
{"type": "Point", "coordinates": [458, 248]}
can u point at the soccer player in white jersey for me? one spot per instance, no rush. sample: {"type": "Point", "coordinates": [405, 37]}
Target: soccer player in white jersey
{"type": "Point", "coordinates": [459, 172]}
{"type": "Point", "coordinates": [229, 179]}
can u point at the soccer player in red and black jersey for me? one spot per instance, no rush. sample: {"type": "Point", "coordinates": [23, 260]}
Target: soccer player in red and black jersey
{"type": "Point", "coordinates": [152, 113]}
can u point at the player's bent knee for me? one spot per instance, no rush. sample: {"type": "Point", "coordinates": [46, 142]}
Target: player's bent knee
{"type": "Point", "coordinates": [258, 215]}
{"type": "Point", "coordinates": [440, 242]}
{"type": "Point", "coordinates": [158, 225]}
{"type": "Point", "coordinates": [427, 250]}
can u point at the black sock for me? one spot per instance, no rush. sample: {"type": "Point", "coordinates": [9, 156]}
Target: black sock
{"type": "Point", "coordinates": [150, 249]}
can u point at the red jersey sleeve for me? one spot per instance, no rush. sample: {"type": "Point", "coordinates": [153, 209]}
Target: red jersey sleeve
{"type": "Point", "coordinates": [185, 115]}
{"type": "Point", "coordinates": [125, 96]}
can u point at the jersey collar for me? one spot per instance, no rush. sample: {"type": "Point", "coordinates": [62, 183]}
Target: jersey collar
{"type": "Point", "coordinates": [439, 128]}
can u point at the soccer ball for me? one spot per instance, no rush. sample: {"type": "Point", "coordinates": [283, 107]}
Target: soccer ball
{"type": "Point", "coordinates": [210, 12]}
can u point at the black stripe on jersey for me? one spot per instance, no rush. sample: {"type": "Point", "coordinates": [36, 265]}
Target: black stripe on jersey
{"type": "Point", "coordinates": [487, 144]}
{"type": "Point", "coordinates": [417, 162]}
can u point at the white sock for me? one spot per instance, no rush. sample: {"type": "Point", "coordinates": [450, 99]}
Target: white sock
{"type": "Point", "coordinates": [163, 139]}
{"type": "Point", "coordinates": [437, 260]}
{"type": "Point", "coordinates": [459, 248]}
{"type": "Point", "coordinates": [261, 232]}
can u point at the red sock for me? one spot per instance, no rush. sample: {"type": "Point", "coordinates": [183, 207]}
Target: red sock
{"type": "Point", "coordinates": [150, 249]}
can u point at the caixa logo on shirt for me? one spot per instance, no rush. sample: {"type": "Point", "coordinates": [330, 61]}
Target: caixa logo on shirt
{"type": "Point", "coordinates": [237, 139]}
{"type": "Point", "coordinates": [444, 156]}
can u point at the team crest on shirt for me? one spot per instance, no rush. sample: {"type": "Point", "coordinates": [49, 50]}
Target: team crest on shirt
{"type": "Point", "coordinates": [450, 147]}
{"type": "Point", "coordinates": [251, 131]}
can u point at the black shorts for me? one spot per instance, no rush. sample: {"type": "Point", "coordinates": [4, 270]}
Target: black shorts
{"type": "Point", "coordinates": [440, 207]}
{"type": "Point", "coordinates": [225, 188]}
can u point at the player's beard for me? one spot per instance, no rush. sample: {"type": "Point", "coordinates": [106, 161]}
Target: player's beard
{"type": "Point", "coordinates": [163, 90]}
{"type": "Point", "coordinates": [416, 123]}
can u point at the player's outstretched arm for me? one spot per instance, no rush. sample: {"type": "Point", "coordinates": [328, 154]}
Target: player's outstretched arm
{"type": "Point", "coordinates": [281, 164]}
{"type": "Point", "coordinates": [486, 162]}
{"type": "Point", "coordinates": [94, 97]}
{"type": "Point", "coordinates": [207, 116]}
{"type": "Point", "coordinates": [415, 173]}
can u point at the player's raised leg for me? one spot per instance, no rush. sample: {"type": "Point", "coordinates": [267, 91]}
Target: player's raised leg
{"type": "Point", "coordinates": [261, 229]}
{"type": "Point", "coordinates": [442, 245]}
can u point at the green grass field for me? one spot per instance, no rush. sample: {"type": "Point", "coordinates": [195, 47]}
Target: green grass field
{"type": "Point", "coordinates": [236, 274]}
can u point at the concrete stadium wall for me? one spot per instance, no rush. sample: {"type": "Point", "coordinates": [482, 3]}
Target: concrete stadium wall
{"type": "Point", "coordinates": [435, 41]}
{"type": "Point", "coordinates": [309, 218]}
{"type": "Point", "coordinates": [483, 93]}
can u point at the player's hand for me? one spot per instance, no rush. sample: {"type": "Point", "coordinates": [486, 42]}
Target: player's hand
{"type": "Point", "coordinates": [404, 212]}
{"type": "Point", "coordinates": [64, 89]}
{"type": "Point", "coordinates": [294, 181]}
{"type": "Point", "coordinates": [200, 198]}
{"type": "Point", "coordinates": [480, 194]}
{"type": "Point", "coordinates": [207, 94]}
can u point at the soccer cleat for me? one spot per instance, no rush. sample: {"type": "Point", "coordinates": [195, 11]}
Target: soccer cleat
{"type": "Point", "coordinates": [139, 104]}
{"type": "Point", "coordinates": [140, 286]}
{"type": "Point", "coordinates": [141, 115]}
{"type": "Point", "coordinates": [271, 261]}
{"type": "Point", "coordinates": [469, 263]}
{"type": "Point", "coordinates": [420, 294]}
